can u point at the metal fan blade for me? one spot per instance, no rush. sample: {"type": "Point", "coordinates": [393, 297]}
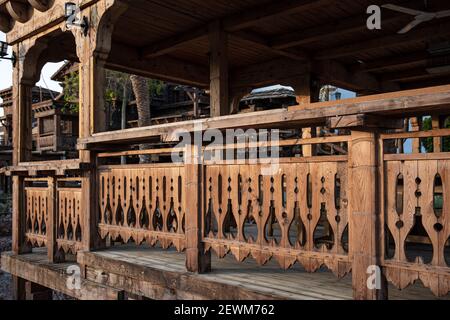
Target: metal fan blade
{"type": "Point", "coordinates": [443, 14]}
{"type": "Point", "coordinates": [410, 26]}
{"type": "Point", "coordinates": [403, 9]}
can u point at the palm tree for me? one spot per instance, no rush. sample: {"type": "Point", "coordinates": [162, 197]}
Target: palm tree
{"type": "Point", "coordinates": [142, 93]}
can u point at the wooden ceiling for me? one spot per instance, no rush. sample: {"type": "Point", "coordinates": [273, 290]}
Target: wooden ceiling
{"type": "Point", "coordinates": [305, 31]}
{"type": "Point", "coordinates": [169, 39]}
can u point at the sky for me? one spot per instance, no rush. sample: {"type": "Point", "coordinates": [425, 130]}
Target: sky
{"type": "Point", "coordinates": [45, 82]}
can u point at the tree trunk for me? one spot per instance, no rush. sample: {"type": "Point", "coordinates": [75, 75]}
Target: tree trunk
{"type": "Point", "coordinates": [142, 93]}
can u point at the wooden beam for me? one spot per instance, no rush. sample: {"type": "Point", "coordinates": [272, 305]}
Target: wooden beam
{"type": "Point", "coordinates": [364, 121]}
{"type": "Point", "coordinates": [393, 61]}
{"type": "Point", "coordinates": [44, 273]}
{"type": "Point", "coordinates": [171, 44]}
{"type": "Point", "coordinates": [408, 75]}
{"type": "Point", "coordinates": [334, 73]}
{"type": "Point", "coordinates": [275, 71]}
{"type": "Point", "coordinates": [232, 23]}
{"type": "Point", "coordinates": [127, 59]}
{"type": "Point", "coordinates": [41, 5]}
{"type": "Point", "coordinates": [5, 23]}
{"type": "Point", "coordinates": [265, 12]}
{"type": "Point", "coordinates": [218, 69]}
{"type": "Point", "coordinates": [257, 40]}
{"type": "Point", "coordinates": [416, 35]}
{"type": "Point", "coordinates": [19, 11]}
{"type": "Point", "coordinates": [403, 103]}
{"type": "Point", "coordinates": [328, 31]}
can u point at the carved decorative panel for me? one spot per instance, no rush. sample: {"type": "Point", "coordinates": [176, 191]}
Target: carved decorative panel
{"type": "Point", "coordinates": [143, 204]}
{"type": "Point", "coordinates": [417, 219]}
{"type": "Point", "coordinates": [298, 214]}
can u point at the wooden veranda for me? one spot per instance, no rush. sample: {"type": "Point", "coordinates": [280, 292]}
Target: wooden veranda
{"type": "Point", "coordinates": [368, 204]}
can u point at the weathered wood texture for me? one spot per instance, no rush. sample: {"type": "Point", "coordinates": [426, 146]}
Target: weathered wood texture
{"type": "Point", "coordinates": [35, 267]}
{"type": "Point", "coordinates": [145, 203]}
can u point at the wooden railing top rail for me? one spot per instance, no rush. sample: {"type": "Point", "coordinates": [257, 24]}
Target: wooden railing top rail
{"type": "Point", "coordinates": [59, 166]}
{"type": "Point", "coordinates": [280, 143]}
{"type": "Point", "coordinates": [416, 134]}
{"type": "Point", "coordinates": [402, 103]}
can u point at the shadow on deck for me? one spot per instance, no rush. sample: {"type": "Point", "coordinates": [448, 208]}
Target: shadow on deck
{"type": "Point", "coordinates": [128, 271]}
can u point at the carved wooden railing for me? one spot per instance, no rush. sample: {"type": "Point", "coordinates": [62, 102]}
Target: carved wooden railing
{"type": "Point", "coordinates": [70, 216]}
{"type": "Point", "coordinates": [298, 213]}
{"type": "Point", "coordinates": [417, 213]}
{"type": "Point", "coordinates": [144, 203]}
{"type": "Point", "coordinates": [38, 197]}
{"type": "Point", "coordinates": [53, 214]}
{"type": "Point", "coordinates": [310, 210]}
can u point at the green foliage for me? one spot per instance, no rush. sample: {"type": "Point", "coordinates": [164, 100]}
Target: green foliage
{"type": "Point", "coordinates": [71, 91]}
{"type": "Point", "coordinates": [116, 85]}
{"type": "Point", "coordinates": [427, 143]}
{"type": "Point", "coordinates": [156, 87]}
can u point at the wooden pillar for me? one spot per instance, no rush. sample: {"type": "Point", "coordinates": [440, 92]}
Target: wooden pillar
{"type": "Point", "coordinates": [34, 291]}
{"type": "Point", "coordinates": [22, 116]}
{"type": "Point", "coordinates": [92, 105]}
{"type": "Point", "coordinates": [22, 148]}
{"type": "Point", "coordinates": [196, 258]}
{"type": "Point", "coordinates": [415, 126]}
{"type": "Point", "coordinates": [365, 236]}
{"type": "Point", "coordinates": [53, 254]}
{"type": "Point", "coordinates": [57, 130]}
{"type": "Point", "coordinates": [89, 184]}
{"type": "Point", "coordinates": [306, 92]}
{"type": "Point", "coordinates": [437, 141]}
{"type": "Point", "coordinates": [18, 288]}
{"type": "Point", "coordinates": [219, 86]}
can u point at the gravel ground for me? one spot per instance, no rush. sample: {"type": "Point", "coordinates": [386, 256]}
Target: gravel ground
{"type": "Point", "coordinates": [5, 245]}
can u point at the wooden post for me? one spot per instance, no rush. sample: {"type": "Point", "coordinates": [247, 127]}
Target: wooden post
{"type": "Point", "coordinates": [219, 90]}
{"type": "Point", "coordinates": [54, 255]}
{"type": "Point", "coordinates": [415, 126]}
{"type": "Point", "coordinates": [34, 291]}
{"type": "Point", "coordinates": [197, 260]}
{"type": "Point", "coordinates": [365, 236]}
{"type": "Point", "coordinates": [22, 115]}
{"type": "Point", "coordinates": [92, 107]}
{"type": "Point", "coordinates": [89, 185]}
{"type": "Point", "coordinates": [19, 244]}
{"type": "Point", "coordinates": [306, 91]}
{"type": "Point", "coordinates": [57, 130]}
{"type": "Point", "coordinates": [437, 141]}
{"type": "Point", "coordinates": [22, 148]}
{"type": "Point", "coordinates": [18, 288]}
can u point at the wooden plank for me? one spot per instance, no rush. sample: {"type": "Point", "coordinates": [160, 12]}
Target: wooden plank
{"type": "Point", "coordinates": [417, 156]}
{"type": "Point", "coordinates": [219, 91]}
{"type": "Point", "coordinates": [364, 121]}
{"type": "Point", "coordinates": [363, 231]}
{"type": "Point", "coordinates": [417, 134]}
{"type": "Point", "coordinates": [44, 273]}
{"type": "Point", "coordinates": [197, 260]}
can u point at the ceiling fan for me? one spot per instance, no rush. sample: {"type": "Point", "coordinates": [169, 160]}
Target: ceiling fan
{"type": "Point", "coordinates": [419, 16]}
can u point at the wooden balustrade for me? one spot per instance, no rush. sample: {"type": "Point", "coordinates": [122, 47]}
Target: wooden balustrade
{"type": "Point", "coordinates": [417, 216]}
{"type": "Point", "coordinates": [37, 215]}
{"type": "Point", "coordinates": [345, 212]}
{"type": "Point", "coordinates": [69, 217]}
{"type": "Point", "coordinates": [297, 213]}
{"type": "Point", "coordinates": [143, 203]}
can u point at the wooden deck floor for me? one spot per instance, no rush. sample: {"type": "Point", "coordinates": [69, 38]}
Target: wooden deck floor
{"type": "Point", "coordinates": [160, 274]}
